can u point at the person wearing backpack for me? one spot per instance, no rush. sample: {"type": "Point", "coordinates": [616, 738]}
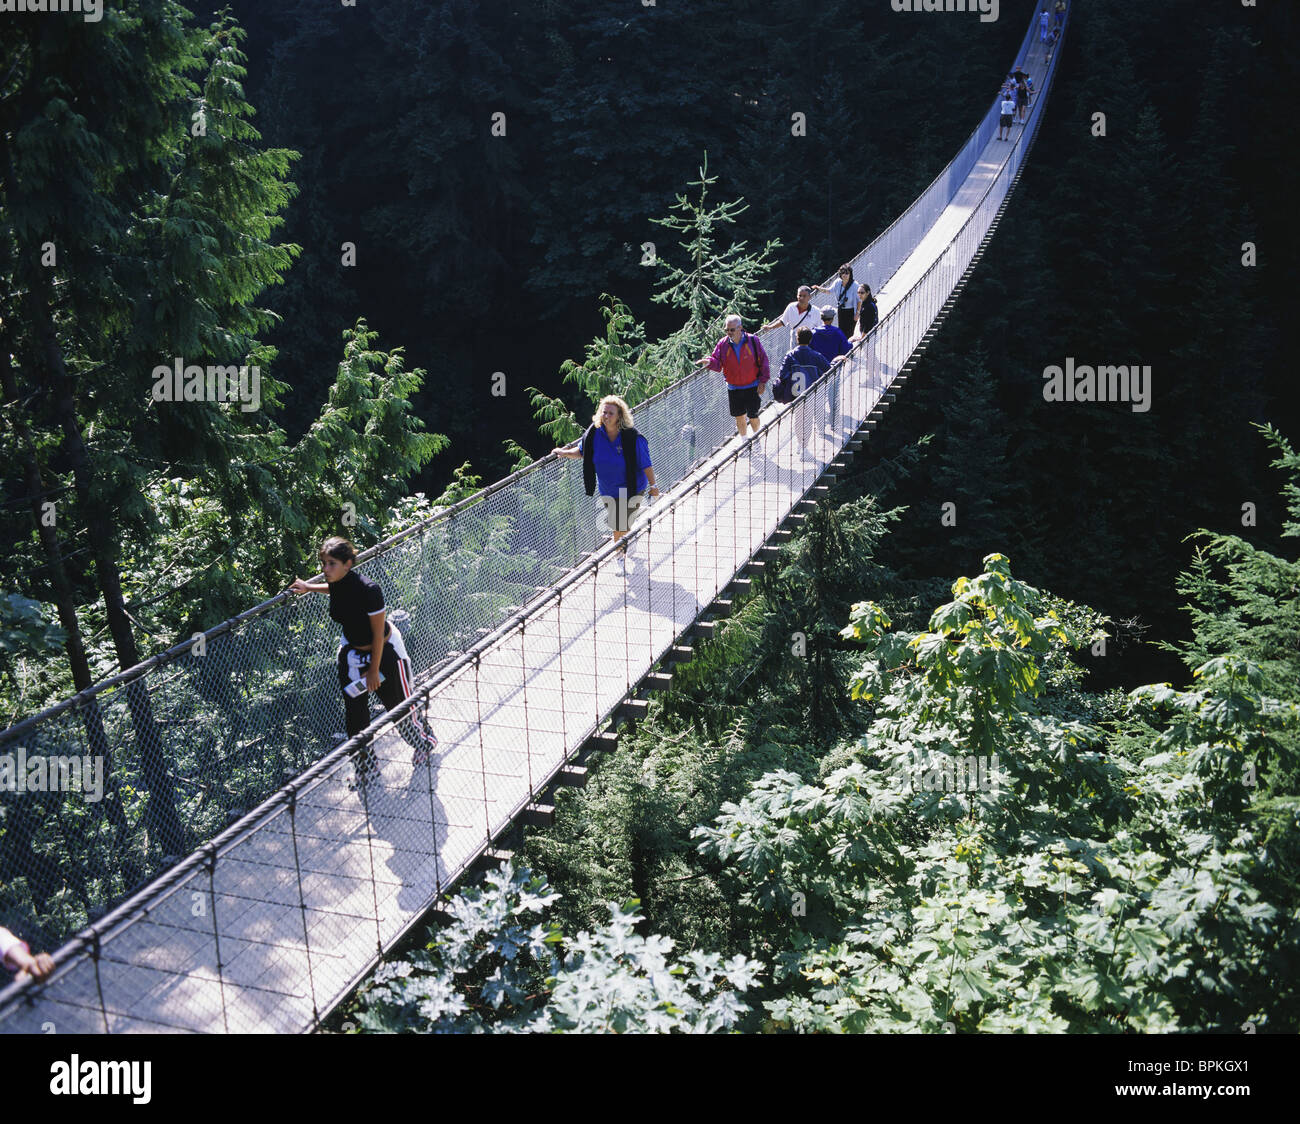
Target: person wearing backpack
{"type": "Point", "coordinates": [801, 367]}
{"type": "Point", "coordinates": [799, 313]}
{"type": "Point", "coordinates": [743, 363]}
{"type": "Point", "coordinates": [617, 458]}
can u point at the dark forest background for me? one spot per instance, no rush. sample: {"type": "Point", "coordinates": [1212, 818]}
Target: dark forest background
{"type": "Point", "coordinates": [478, 253]}
{"type": "Point", "coordinates": [481, 254]}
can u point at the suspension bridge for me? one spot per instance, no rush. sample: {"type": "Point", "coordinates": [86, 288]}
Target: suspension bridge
{"type": "Point", "coordinates": [527, 642]}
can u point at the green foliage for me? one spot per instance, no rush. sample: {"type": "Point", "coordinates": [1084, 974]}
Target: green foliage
{"type": "Point", "coordinates": [616, 363]}
{"type": "Point", "coordinates": [738, 709]}
{"type": "Point", "coordinates": [1244, 604]}
{"type": "Point", "coordinates": [496, 967]}
{"type": "Point", "coordinates": [710, 282]}
{"type": "Point", "coordinates": [365, 442]}
{"type": "Point", "coordinates": [132, 154]}
{"type": "Point", "coordinates": [464, 483]}
{"type": "Point", "coordinates": [807, 598]}
{"type": "Point", "coordinates": [520, 458]}
{"type": "Point", "coordinates": [1245, 599]}
{"type": "Point", "coordinates": [1069, 889]}
{"type": "Point", "coordinates": [25, 629]}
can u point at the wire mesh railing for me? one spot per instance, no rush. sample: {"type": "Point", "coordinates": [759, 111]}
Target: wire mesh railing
{"type": "Point", "coordinates": [304, 881]}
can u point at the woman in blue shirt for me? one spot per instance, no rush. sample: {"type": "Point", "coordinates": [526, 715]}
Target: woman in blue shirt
{"type": "Point", "coordinates": [617, 458]}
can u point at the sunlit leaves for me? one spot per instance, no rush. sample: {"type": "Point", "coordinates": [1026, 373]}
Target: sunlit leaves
{"type": "Point", "coordinates": [493, 969]}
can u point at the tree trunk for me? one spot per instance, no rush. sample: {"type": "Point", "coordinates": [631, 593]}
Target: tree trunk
{"type": "Point", "coordinates": [59, 583]}
{"type": "Point", "coordinates": [160, 814]}
{"type": "Point", "coordinates": [65, 600]}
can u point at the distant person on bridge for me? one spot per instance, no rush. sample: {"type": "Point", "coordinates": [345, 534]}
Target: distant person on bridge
{"type": "Point", "coordinates": [1022, 98]}
{"type": "Point", "coordinates": [832, 345]}
{"type": "Point", "coordinates": [743, 363]}
{"type": "Point", "coordinates": [801, 367]}
{"type": "Point", "coordinates": [1006, 114]}
{"type": "Point", "coordinates": [828, 339]}
{"type": "Point", "coordinates": [357, 604]}
{"type": "Point", "coordinates": [616, 458]}
{"type": "Point", "coordinates": [18, 958]}
{"type": "Point", "coordinates": [844, 291]}
{"type": "Point", "coordinates": [799, 313]}
{"type": "Point", "coordinates": [1060, 12]}
{"type": "Point", "coordinates": [1044, 22]}
{"type": "Point", "coordinates": [1052, 41]}
{"type": "Point", "coordinates": [868, 317]}
{"type": "Point", "coordinates": [868, 313]}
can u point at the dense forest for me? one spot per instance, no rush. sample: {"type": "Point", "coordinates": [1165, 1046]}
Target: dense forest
{"type": "Point", "coordinates": [434, 195]}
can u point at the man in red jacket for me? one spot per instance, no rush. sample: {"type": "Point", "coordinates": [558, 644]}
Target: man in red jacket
{"type": "Point", "coordinates": [743, 363]}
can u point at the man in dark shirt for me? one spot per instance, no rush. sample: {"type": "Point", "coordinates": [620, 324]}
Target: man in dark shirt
{"type": "Point", "coordinates": [832, 344]}
{"type": "Point", "coordinates": [800, 369]}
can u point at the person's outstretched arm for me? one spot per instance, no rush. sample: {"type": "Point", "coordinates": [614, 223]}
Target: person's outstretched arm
{"type": "Point", "coordinates": [573, 449]}
{"type": "Point", "coordinates": [18, 958]}
{"type": "Point", "coordinates": [714, 361]}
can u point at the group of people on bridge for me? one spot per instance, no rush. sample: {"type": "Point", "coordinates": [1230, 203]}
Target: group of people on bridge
{"type": "Point", "coordinates": [818, 339]}
{"type": "Point", "coordinates": [372, 656]}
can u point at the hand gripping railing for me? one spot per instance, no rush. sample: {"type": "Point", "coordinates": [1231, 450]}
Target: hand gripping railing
{"type": "Point", "coordinates": [277, 916]}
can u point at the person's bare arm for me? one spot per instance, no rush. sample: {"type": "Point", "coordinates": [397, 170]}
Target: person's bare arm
{"type": "Point", "coordinates": [19, 958]}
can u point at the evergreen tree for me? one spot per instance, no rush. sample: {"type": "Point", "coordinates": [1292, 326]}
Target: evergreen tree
{"type": "Point", "coordinates": [707, 282]}
{"type": "Point", "coordinates": [971, 471]}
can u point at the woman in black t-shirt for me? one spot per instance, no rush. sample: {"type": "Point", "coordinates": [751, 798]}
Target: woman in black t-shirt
{"type": "Point", "coordinates": [357, 604]}
{"type": "Point", "coordinates": [868, 317]}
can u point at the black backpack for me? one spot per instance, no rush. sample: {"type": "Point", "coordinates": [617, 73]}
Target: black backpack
{"type": "Point", "coordinates": [783, 390]}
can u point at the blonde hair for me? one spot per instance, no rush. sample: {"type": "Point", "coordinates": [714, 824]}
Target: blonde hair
{"type": "Point", "coordinates": [624, 413]}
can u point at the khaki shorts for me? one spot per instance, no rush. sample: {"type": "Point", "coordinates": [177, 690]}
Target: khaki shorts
{"type": "Point", "coordinates": [620, 516]}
